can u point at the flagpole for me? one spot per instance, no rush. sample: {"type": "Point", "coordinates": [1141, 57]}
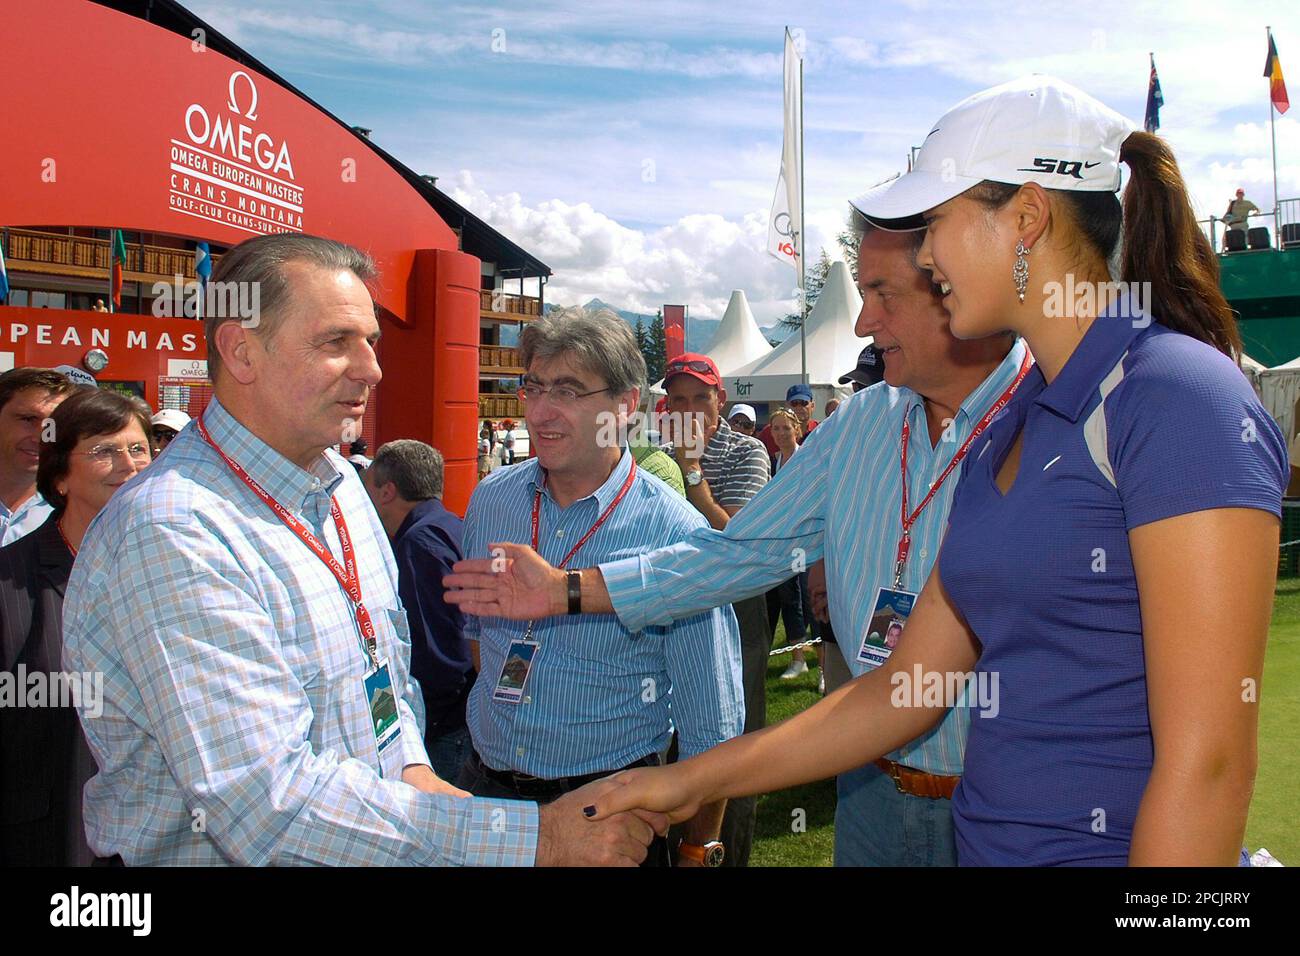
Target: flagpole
{"type": "Point", "coordinates": [1272, 129]}
{"type": "Point", "coordinates": [803, 246]}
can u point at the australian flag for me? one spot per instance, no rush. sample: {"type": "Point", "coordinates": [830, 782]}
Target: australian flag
{"type": "Point", "coordinates": [1155, 99]}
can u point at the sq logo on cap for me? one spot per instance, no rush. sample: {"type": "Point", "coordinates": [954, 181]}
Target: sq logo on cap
{"type": "Point", "coordinates": [1036, 129]}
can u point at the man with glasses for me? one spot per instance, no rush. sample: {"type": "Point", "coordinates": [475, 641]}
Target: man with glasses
{"type": "Point", "coordinates": [799, 399]}
{"type": "Point", "coordinates": [166, 425]}
{"type": "Point", "coordinates": [561, 701]}
{"type": "Point", "coordinates": [743, 418]}
{"type": "Point", "coordinates": [241, 602]}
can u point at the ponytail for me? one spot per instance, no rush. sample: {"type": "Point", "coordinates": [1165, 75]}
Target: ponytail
{"type": "Point", "coordinates": [1164, 245]}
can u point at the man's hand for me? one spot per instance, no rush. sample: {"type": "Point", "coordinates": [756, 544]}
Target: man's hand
{"type": "Point", "coordinates": [515, 583]}
{"type": "Point", "coordinates": [689, 449]}
{"type": "Point", "coordinates": [817, 592]}
{"type": "Point", "coordinates": [423, 778]}
{"type": "Point", "coordinates": [567, 838]}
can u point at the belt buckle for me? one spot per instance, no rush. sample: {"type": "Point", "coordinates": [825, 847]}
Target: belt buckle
{"type": "Point", "coordinates": [896, 774]}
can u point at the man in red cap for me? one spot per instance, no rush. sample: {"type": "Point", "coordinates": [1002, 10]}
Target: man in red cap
{"type": "Point", "coordinates": [723, 470]}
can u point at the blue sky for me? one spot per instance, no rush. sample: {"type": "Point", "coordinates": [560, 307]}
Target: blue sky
{"type": "Point", "coordinates": [635, 147]}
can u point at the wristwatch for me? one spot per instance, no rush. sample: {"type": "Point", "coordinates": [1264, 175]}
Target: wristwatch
{"type": "Point", "coordinates": [709, 855]}
{"type": "Point", "coordinates": [694, 477]}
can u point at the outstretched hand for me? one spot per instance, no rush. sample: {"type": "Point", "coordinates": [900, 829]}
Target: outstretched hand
{"type": "Point", "coordinates": [515, 583]}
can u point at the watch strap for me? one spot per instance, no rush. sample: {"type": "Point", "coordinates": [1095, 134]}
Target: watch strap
{"type": "Point", "coordinates": [574, 579]}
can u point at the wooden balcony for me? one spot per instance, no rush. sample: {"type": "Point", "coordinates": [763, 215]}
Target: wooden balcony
{"type": "Point", "coordinates": [58, 254]}
{"type": "Point", "coordinates": [498, 360]}
{"type": "Point", "coordinates": [500, 406]}
{"type": "Point", "coordinates": [507, 307]}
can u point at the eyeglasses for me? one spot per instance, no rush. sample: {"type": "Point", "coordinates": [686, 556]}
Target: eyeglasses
{"type": "Point", "coordinates": [694, 365]}
{"type": "Point", "coordinates": [798, 402]}
{"type": "Point", "coordinates": [559, 394]}
{"type": "Point", "coordinates": [107, 454]}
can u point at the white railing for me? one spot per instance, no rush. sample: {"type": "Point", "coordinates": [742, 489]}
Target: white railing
{"type": "Point", "coordinates": [1287, 213]}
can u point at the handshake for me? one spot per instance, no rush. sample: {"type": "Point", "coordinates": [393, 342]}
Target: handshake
{"type": "Point", "coordinates": [606, 823]}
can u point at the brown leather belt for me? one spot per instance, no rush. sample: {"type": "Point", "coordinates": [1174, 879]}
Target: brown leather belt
{"type": "Point", "coordinates": [918, 783]}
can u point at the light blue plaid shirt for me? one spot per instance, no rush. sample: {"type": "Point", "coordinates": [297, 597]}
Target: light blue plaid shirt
{"type": "Point", "coordinates": [235, 724]}
{"type": "Point", "coordinates": [599, 695]}
{"type": "Point", "coordinates": [841, 498]}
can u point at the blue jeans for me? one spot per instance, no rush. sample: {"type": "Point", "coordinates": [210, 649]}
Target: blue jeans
{"type": "Point", "coordinates": [447, 753]}
{"type": "Point", "coordinates": [875, 825]}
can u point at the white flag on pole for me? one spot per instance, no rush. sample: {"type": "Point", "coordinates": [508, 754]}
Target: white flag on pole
{"type": "Point", "coordinates": [785, 224]}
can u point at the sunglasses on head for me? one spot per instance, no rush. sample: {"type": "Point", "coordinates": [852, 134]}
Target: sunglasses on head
{"type": "Point", "coordinates": [693, 366]}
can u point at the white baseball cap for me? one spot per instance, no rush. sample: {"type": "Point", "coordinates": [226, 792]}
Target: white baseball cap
{"type": "Point", "coordinates": [742, 409]}
{"type": "Point", "coordinates": [1036, 129]}
{"type": "Point", "coordinates": [172, 418]}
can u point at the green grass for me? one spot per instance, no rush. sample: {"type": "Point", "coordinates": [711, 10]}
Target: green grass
{"type": "Point", "coordinates": [1274, 820]}
{"type": "Point", "coordinates": [782, 837]}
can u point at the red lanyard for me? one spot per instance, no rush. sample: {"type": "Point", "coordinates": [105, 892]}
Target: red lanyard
{"type": "Point", "coordinates": [905, 542]}
{"type": "Point", "coordinates": [537, 514]}
{"type": "Point", "coordinates": [59, 524]}
{"type": "Point", "coordinates": [345, 574]}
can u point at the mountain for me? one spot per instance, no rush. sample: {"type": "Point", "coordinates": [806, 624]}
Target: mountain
{"type": "Point", "coordinates": [699, 331]}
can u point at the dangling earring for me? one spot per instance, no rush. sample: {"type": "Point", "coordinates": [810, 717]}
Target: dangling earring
{"type": "Point", "coordinates": [1020, 272]}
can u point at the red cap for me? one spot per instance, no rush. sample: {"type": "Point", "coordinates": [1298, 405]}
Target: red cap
{"type": "Point", "coordinates": [696, 365]}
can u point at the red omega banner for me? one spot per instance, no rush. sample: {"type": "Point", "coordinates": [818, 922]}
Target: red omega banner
{"type": "Point", "coordinates": [116, 123]}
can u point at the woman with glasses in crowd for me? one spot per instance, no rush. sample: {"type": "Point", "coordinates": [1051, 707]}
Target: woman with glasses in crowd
{"type": "Point", "coordinates": [100, 439]}
{"type": "Point", "coordinates": [1109, 567]}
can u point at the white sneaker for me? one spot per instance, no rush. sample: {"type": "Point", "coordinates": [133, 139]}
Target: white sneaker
{"type": "Point", "coordinates": [795, 669]}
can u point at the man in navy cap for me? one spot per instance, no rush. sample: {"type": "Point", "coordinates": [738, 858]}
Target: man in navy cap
{"type": "Point", "coordinates": [799, 399]}
{"type": "Point", "coordinates": [869, 370]}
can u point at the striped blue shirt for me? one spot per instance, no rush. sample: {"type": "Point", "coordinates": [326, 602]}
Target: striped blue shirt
{"type": "Point", "coordinates": [235, 725]}
{"type": "Point", "coordinates": [598, 696]}
{"type": "Point", "coordinates": [840, 498]}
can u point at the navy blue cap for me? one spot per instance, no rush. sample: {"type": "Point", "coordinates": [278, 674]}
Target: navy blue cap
{"type": "Point", "coordinates": [870, 368]}
{"type": "Point", "coordinates": [798, 391]}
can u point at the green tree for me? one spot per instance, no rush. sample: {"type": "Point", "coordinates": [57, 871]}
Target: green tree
{"type": "Point", "coordinates": [849, 247]}
{"type": "Point", "coordinates": [814, 282]}
{"type": "Point", "coordinates": [641, 339]}
{"type": "Point", "coordinates": [656, 349]}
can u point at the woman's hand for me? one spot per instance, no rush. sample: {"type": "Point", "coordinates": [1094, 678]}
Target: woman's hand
{"type": "Point", "coordinates": [646, 789]}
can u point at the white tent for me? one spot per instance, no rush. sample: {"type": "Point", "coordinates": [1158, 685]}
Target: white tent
{"type": "Point", "coordinates": [738, 340]}
{"type": "Point", "coordinates": [1279, 391]}
{"type": "Point", "coordinates": [832, 350]}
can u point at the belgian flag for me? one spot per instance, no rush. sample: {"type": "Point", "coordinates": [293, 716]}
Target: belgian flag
{"type": "Point", "coordinates": [1276, 86]}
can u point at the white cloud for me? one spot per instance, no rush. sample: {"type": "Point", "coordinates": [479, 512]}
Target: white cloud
{"type": "Point", "coordinates": [698, 259]}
